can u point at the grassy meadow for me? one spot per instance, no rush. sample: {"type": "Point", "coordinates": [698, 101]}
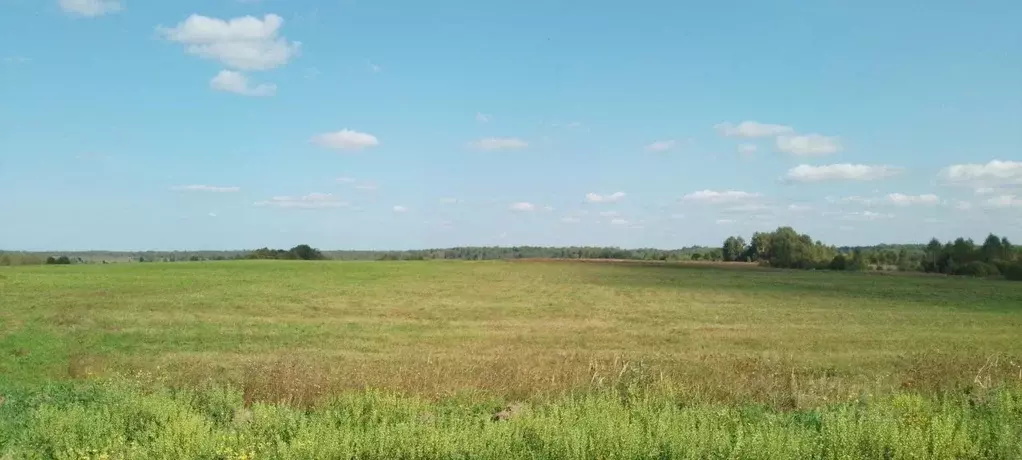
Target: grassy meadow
{"type": "Point", "coordinates": [279, 359]}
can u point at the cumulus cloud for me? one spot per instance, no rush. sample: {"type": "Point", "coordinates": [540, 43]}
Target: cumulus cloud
{"type": "Point", "coordinates": [750, 129]}
{"type": "Point", "coordinates": [206, 188]}
{"type": "Point", "coordinates": [523, 206]}
{"type": "Point", "coordinates": [985, 178]}
{"type": "Point", "coordinates": [236, 82]}
{"type": "Point", "coordinates": [840, 172]}
{"type": "Point", "coordinates": [345, 139]}
{"type": "Point", "coordinates": [721, 197]}
{"type": "Point", "coordinates": [808, 144]}
{"type": "Point", "coordinates": [90, 8]}
{"type": "Point", "coordinates": [399, 208]}
{"type": "Point", "coordinates": [244, 43]}
{"type": "Point", "coordinates": [901, 199]}
{"type": "Point", "coordinates": [310, 201]}
{"type": "Point", "coordinates": [661, 146]}
{"type": "Point", "coordinates": [597, 198]}
{"type": "Point", "coordinates": [499, 143]}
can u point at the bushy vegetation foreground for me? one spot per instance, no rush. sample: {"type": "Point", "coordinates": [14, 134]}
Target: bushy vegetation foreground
{"type": "Point", "coordinates": [125, 420]}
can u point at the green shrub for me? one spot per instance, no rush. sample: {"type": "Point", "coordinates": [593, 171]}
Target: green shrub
{"type": "Point", "coordinates": [978, 269]}
{"type": "Point", "coordinates": [1014, 272]}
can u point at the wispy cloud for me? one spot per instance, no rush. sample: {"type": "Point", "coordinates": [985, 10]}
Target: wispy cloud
{"type": "Point", "coordinates": [751, 129]}
{"type": "Point", "coordinates": [90, 8]}
{"type": "Point", "coordinates": [310, 201]}
{"type": "Point", "coordinates": [523, 207]}
{"type": "Point", "coordinates": [840, 172]}
{"type": "Point", "coordinates": [611, 198]}
{"type": "Point", "coordinates": [345, 139]}
{"type": "Point", "coordinates": [206, 188]}
{"type": "Point", "coordinates": [661, 146]}
{"type": "Point", "coordinates": [499, 143]}
{"type": "Point", "coordinates": [808, 145]}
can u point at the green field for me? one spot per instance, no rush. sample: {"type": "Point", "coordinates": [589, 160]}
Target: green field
{"type": "Point", "coordinates": [410, 360]}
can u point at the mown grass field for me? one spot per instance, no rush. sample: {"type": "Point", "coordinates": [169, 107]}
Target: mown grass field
{"type": "Point", "coordinates": [621, 360]}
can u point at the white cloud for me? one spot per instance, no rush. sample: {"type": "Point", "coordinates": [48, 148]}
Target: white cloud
{"type": "Point", "coordinates": [983, 177]}
{"type": "Point", "coordinates": [499, 143]}
{"type": "Point", "coordinates": [677, 216]}
{"type": "Point", "coordinates": [747, 149]}
{"type": "Point", "coordinates": [345, 139]}
{"type": "Point", "coordinates": [841, 171]}
{"type": "Point", "coordinates": [721, 197]}
{"type": "Point", "coordinates": [866, 215]}
{"type": "Point", "coordinates": [597, 198]}
{"type": "Point", "coordinates": [724, 221]}
{"type": "Point", "coordinates": [962, 205]}
{"type": "Point", "coordinates": [548, 208]}
{"type": "Point", "coordinates": [661, 146]}
{"type": "Point", "coordinates": [310, 201]}
{"type": "Point", "coordinates": [570, 220]}
{"type": "Point", "coordinates": [400, 208]}
{"type": "Point", "coordinates": [799, 208]}
{"type": "Point", "coordinates": [618, 222]}
{"type": "Point", "coordinates": [748, 207]}
{"type": "Point", "coordinates": [236, 82]}
{"type": "Point", "coordinates": [206, 188]}
{"type": "Point", "coordinates": [808, 144]}
{"type": "Point", "coordinates": [245, 43]}
{"type": "Point", "coordinates": [901, 199]}
{"type": "Point", "coordinates": [1003, 201]}
{"type": "Point", "coordinates": [483, 118]}
{"type": "Point", "coordinates": [375, 68]}
{"type": "Point", "coordinates": [751, 129]}
{"type": "Point", "coordinates": [523, 206]}
{"type": "Point", "coordinates": [212, 214]}
{"type": "Point", "coordinates": [609, 214]}
{"type": "Point", "coordinates": [90, 8]}
{"type": "Point", "coordinates": [357, 184]}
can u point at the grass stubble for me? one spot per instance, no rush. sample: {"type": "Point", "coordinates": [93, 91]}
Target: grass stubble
{"type": "Point", "coordinates": [578, 360]}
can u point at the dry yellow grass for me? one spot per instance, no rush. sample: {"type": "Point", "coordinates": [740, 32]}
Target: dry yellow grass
{"type": "Point", "coordinates": [297, 330]}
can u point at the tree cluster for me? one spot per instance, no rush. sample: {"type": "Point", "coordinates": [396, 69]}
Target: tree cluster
{"type": "Point", "coordinates": [996, 256]}
{"type": "Point", "coordinates": [786, 248]}
{"type": "Point", "coordinates": [300, 252]}
{"type": "Point", "coordinates": [782, 248]}
{"type": "Point", "coordinates": [62, 260]}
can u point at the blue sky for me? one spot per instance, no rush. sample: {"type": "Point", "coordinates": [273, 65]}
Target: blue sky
{"type": "Point", "coordinates": [221, 124]}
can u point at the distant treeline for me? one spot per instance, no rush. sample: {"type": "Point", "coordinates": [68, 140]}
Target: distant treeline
{"type": "Point", "coordinates": [786, 248]}
{"type": "Point", "coordinates": [782, 248]}
{"type": "Point", "coordinates": [306, 252]}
